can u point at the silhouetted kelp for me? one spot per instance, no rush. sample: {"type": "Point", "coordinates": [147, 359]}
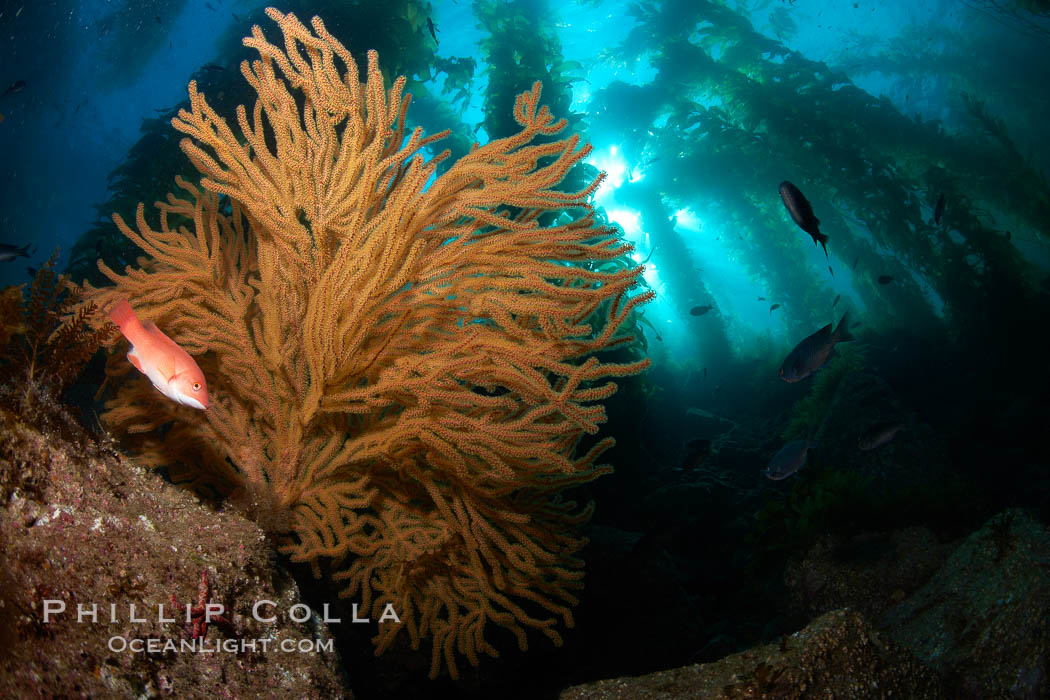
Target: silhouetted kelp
{"type": "Point", "coordinates": [743, 112]}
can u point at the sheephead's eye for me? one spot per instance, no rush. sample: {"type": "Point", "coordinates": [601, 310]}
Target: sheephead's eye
{"type": "Point", "coordinates": [196, 386]}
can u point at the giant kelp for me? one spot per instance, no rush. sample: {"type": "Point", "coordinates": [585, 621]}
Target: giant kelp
{"type": "Point", "coordinates": [128, 35]}
{"type": "Point", "coordinates": [743, 109]}
{"type": "Point", "coordinates": [521, 47]}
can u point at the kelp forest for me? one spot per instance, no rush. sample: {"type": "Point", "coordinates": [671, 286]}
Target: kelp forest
{"type": "Point", "coordinates": [742, 310]}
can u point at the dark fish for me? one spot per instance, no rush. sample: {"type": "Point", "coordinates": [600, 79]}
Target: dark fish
{"type": "Point", "coordinates": [430, 26]}
{"type": "Point", "coordinates": [9, 252]}
{"type": "Point", "coordinates": [837, 297]}
{"type": "Point", "coordinates": [157, 17]}
{"type": "Point", "coordinates": [705, 374]}
{"type": "Point", "coordinates": [774, 307]}
{"type": "Point", "coordinates": [854, 324]}
{"type": "Point", "coordinates": [209, 6]}
{"type": "Point", "coordinates": [697, 452]}
{"type": "Point", "coordinates": [761, 298]}
{"type": "Point", "coordinates": [830, 270]}
{"type": "Point", "coordinates": [31, 271]}
{"type": "Point", "coordinates": [15, 87]}
{"type": "Point", "coordinates": [939, 211]}
{"type": "Point", "coordinates": [878, 435]}
{"type": "Point", "coordinates": [855, 262]}
{"type": "Point", "coordinates": [885, 279]}
{"type": "Point", "coordinates": [212, 67]}
{"type": "Point", "coordinates": [801, 211]}
{"type": "Point", "coordinates": [813, 352]}
{"type": "Point", "coordinates": [236, 18]}
{"type": "Point", "coordinates": [700, 310]}
{"type": "Point", "coordinates": [1008, 235]}
{"type": "Point", "coordinates": [788, 460]}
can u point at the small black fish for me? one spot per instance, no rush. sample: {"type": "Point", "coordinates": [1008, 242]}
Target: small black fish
{"type": "Point", "coordinates": [236, 18]}
{"type": "Point", "coordinates": [879, 435]}
{"type": "Point", "coordinates": [209, 6]}
{"type": "Point", "coordinates": [157, 17]}
{"type": "Point", "coordinates": [802, 212]}
{"type": "Point", "coordinates": [837, 297]}
{"type": "Point", "coordinates": [700, 310]}
{"type": "Point", "coordinates": [855, 262]}
{"type": "Point", "coordinates": [885, 279]}
{"type": "Point", "coordinates": [430, 26]}
{"type": "Point", "coordinates": [939, 211]}
{"type": "Point", "coordinates": [788, 460]}
{"type": "Point", "coordinates": [31, 271]}
{"type": "Point", "coordinates": [1008, 235]}
{"type": "Point", "coordinates": [814, 351]}
{"type": "Point", "coordinates": [774, 307]}
{"type": "Point", "coordinates": [831, 271]}
{"type": "Point", "coordinates": [212, 67]}
{"type": "Point", "coordinates": [15, 87]}
{"type": "Point", "coordinates": [9, 252]}
{"type": "Point", "coordinates": [761, 298]}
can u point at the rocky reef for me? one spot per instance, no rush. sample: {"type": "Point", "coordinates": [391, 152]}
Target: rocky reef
{"type": "Point", "coordinates": [88, 534]}
{"type": "Point", "coordinates": [896, 614]}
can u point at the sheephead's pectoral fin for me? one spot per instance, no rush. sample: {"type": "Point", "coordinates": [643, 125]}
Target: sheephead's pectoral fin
{"type": "Point", "coordinates": [166, 365]}
{"type": "Point", "coordinates": [134, 359]}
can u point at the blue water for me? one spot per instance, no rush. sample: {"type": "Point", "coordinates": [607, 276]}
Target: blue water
{"type": "Point", "coordinates": [94, 71]}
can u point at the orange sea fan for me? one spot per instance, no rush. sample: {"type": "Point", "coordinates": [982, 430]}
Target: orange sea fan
{"type": "Point", "coordinates": [404, 370]}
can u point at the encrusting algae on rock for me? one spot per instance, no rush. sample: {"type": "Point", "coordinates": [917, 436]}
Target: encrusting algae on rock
{"type": "Point", "coordinates": [399, 372]}
{"type": "Point", "coordinates": [93, 547]}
